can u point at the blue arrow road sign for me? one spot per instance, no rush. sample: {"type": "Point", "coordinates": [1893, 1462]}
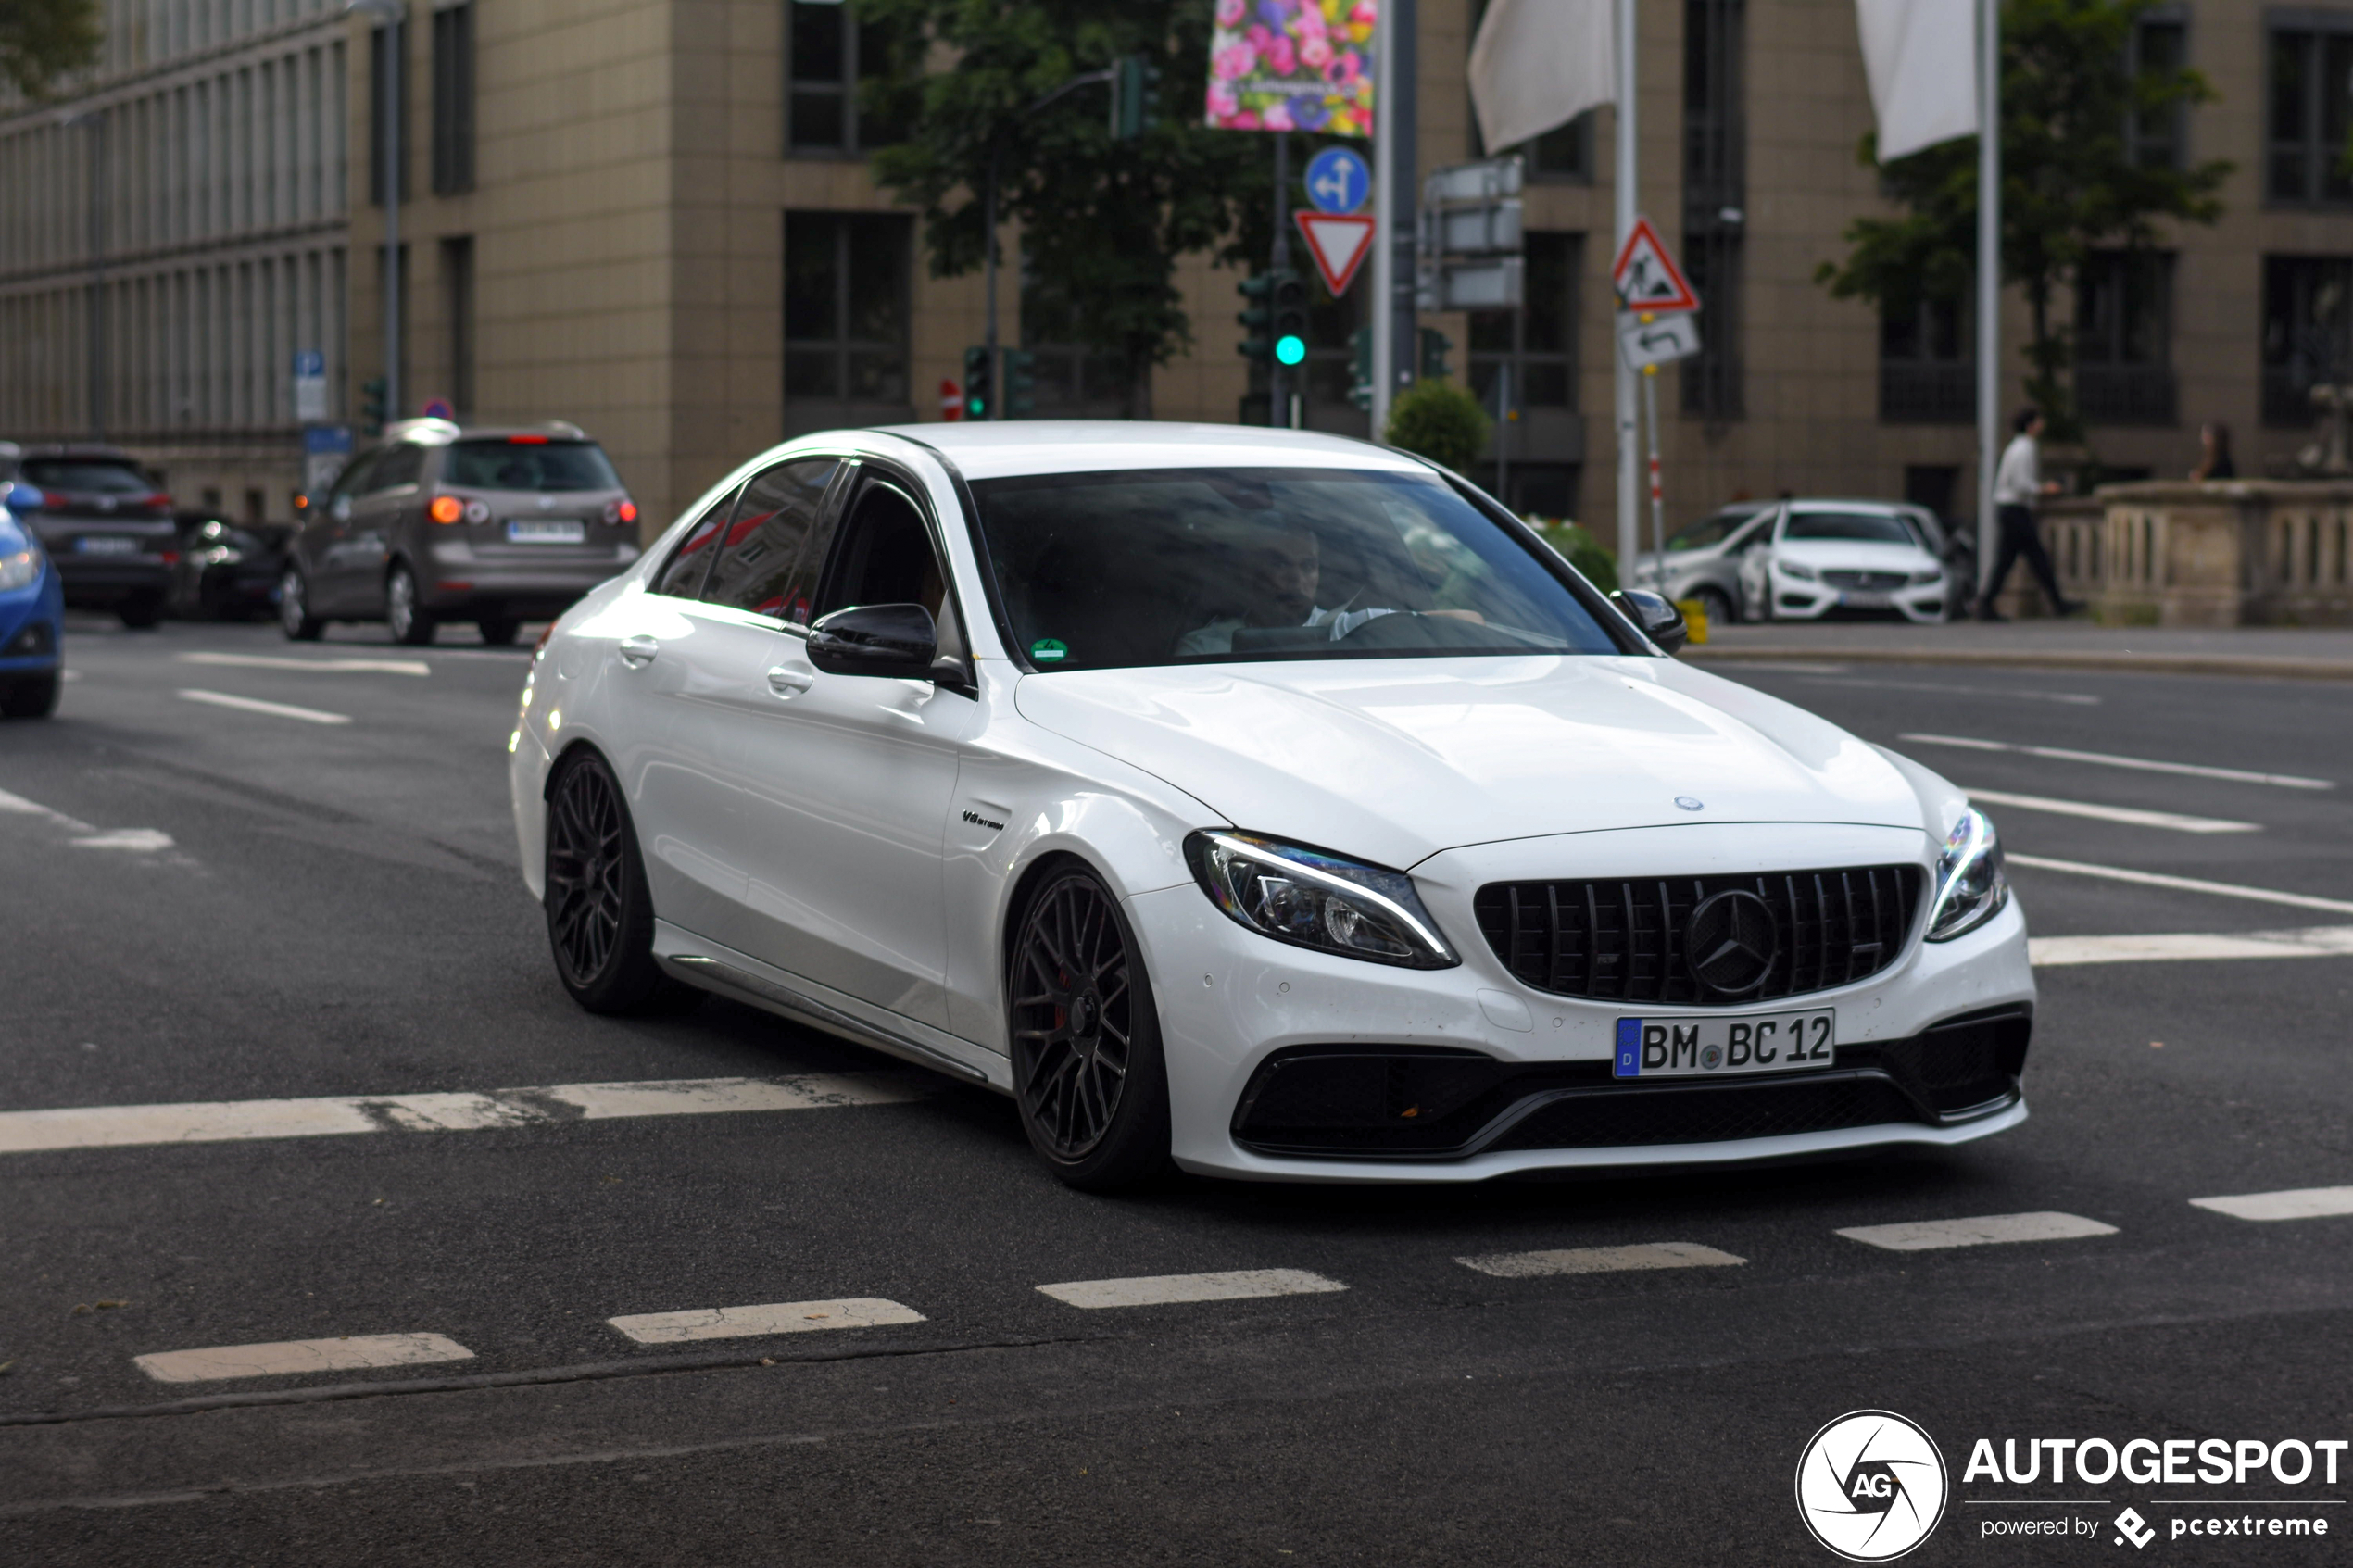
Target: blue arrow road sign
{"type": "Point", "coordinates": [1337, 181]}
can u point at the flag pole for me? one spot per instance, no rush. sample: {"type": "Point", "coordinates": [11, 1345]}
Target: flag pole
{"type": "Point", "coordinates": [1989, 283]}
{"type": "Point", "coordinates": [1628, 167]}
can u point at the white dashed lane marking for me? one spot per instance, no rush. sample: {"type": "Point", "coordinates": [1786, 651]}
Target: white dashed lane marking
{"type": "Point", "coordinates": [2182, 883]}
{"type": "Point", "coordinates": [2172, 821]}
{"type": "Point", "coordinates": [2299, 1203]}
{"type": "Point", "coordinates": [1601, 1259]}
{"type": "Point", "coordinates": [779, 1317]}
{"type": "Point", "coordinates": [1985, 1230]}
{"type": "Point", "coordinates": [254, 704]}
{"type": "Point", "coordinates": [142, 840]}
{"type": "Point", "coordinates": [321, 665]}
{"type": "Point", "coordinates": [2141, 764]}
{"type": "Point", "coordinates": [1152, 1290]}
{"type": "Point", "coordinates": [292, 1356]}
{"type": "Point", "coordinates": [105, 1126]}
{"type": "Point", "coordinates": [2311, 942]}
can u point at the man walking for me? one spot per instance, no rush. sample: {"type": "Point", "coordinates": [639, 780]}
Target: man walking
{"type": "Point", "coordinates": [2017, 485]}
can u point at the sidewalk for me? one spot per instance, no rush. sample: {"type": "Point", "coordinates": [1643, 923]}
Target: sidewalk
{"type": "Point", "coordinates": [2276, 652]}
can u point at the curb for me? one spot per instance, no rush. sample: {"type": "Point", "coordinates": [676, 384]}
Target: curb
{"type": "Point", "coordinates": [2251, 666]}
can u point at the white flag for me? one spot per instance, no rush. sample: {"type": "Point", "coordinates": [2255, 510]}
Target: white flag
{"type": "Point", "coordinates": [1921, 58]}
{"type": "Point", "coordinates": [1538, 64]}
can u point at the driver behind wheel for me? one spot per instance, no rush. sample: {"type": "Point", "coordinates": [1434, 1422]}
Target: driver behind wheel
{"type": "Point", "coordinates": [1273, 581]}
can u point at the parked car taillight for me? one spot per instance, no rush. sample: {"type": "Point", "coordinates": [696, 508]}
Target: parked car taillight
{"type": "Point", "coordinates": [159, 502]}
{"type": "Point", "coordinates": [477, 511]}
{"type": "Point", "coordinates": [620, 511]}
{"type": "Point", "coordinates": [445, 509]}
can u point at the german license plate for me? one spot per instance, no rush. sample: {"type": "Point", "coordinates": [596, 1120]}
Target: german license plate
{"type": "Point", "coordinates": [546, 531]}
{"type": "Point", "coordinates": [1867, 599]}
{"type": "Point", "coordinates": [1702, 1047]}
{"type": "Point", "coordinates": [105, 545]}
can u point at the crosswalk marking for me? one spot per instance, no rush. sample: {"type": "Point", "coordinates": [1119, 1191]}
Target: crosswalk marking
{"type": "Point", "coordinates": [288, 1357]}
{"type": "Point", "coordinates": [1985, 1230]}
{"type": "Point", "coordinates": [2130, 815]}
{"type": "Point", "coordinates": [2311, 942]}
{"type": "Point", "coordinates": [2296, 1203]}
{"type": "Point", "coordinates": [1152, 1290]}
{"type": "Point", "coordinates": [2182, 884]}
{"type": "Point", "coordinates": [108, 1126]}
{"type": "Point", "coordinates": [776, 1317]}
{"type": "Point", "coordinates": [2109, 760]}
{"type": "Point", "coordinates": [1601, 1259]}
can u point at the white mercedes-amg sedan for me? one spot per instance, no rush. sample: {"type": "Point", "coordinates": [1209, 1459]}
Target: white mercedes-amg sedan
{"type": "Point", "coordinates": [1269, 803]}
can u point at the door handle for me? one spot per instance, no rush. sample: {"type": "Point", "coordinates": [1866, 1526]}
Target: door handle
{"type": "Point", "coordinates": [785, 681]}
{"type": "Point", "coordinates": [639, 649]}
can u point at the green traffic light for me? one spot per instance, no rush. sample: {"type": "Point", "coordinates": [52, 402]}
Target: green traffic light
{"type": "Point", "coordinates": [1290, 350]}
{"type": "Point", "coordinates": [975, 404]}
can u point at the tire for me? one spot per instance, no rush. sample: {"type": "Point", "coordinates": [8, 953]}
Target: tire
{"type": "Point", "coordinates": [498, 631]}
{"type": "Point", "coordinates": [411, 623]}
{"type": "Point", "coordinates": [1089, 1076]}
{"type": "Point", "coordinates": [1716, 607]}
{"type": "Point", "coordinates": [29, 697]}
{"type": "Point", "coordinates": [294, 609]}
{"type": "Point", "coordinates": [600, 913]}
{"type": "Point", "coordinates": [141, 611]}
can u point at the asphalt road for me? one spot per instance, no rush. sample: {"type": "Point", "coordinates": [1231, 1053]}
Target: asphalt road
{"type": "Point", "coordinates": [216, 903]}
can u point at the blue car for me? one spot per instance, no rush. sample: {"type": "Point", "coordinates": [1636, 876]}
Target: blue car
{"type": "Point", "coordinates": [33, 608]}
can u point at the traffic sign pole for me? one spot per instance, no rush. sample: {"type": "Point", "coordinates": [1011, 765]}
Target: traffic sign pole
{"type": "Point", "coordinates": [1627, 168]}
{"type": "Point", "coordinates": [1659, 499]}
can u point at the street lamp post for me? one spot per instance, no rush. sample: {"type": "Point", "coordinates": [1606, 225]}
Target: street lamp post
{"type": "Point", "coordinates": [388, 14]}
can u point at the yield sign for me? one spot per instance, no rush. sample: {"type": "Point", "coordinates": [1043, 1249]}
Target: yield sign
{"type": "Point", "coordinates": [1339, 242]}
{"type": "Point", "coordinates": [1647, 277]}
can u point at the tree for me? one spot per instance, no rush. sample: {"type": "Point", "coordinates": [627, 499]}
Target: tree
{"type": "Point", "coordinates": [42, 40]}
{"type": "Point", "coordinates": [1436, 420]}
{"type": "Point", "coordinates": [1107, 219]}
{"type": "Point", "coordinates": [2069, 183]}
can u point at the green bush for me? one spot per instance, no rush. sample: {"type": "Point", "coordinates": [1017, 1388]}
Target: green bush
{"type": "Point", "coordinates": [1438, 421]}
{"type": "Point", "coordinates": [1580, 549]}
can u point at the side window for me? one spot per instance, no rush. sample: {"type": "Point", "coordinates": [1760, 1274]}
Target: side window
{"type": "Point", "coordinates": [886, 557]}
{"type": "Point", "coordinates": [401, 464]}
{"type": "Point", "coordinates": [354, 475]}
{"type": "Point", "coordinates": [773, 549]}
{"type": "Point", "coordinates": [683, 578]}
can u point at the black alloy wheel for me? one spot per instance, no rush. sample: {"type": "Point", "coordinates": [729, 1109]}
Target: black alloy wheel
{"type": "Point", "coordinates": [404, 613]}
{"type": "Point", "coordinates": [498, 631]}
{"type": "Point", "coordinates": [1716, 606]}
{"type": "Point", "coordinates": [600, 916]}
{"type": "Point", "coordinates": [1087, 1072]}
{"type": "Point", "coordinates": [294, 609]}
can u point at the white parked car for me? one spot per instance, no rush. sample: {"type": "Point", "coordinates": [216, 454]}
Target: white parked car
{"type": "Point", "coordinates": [1268, 801]}
{"type": "Point", "coordinates": [1826, 557]}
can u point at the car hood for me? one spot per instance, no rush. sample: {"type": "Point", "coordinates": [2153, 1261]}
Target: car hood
{"type": "Point", "coordinates": [1860, 555]}
{"type": "Point", "coordinates": [1396, 760]}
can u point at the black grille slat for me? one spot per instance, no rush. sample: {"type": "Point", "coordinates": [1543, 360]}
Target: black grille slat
{"type": "Point", "coordinates": [1838, 926]}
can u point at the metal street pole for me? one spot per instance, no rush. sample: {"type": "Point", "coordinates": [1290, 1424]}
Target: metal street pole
{"type": "Point", "coordinates": [389, 14]}
{"type": "Point", "coordinates": [1658, 498]}
{"type": "Point", "coordinates": [1989, 283]}
{"type": "Point", "coordinates": [1628, 171]}
{"type": "Point", "coordinates": [1398, 304]}
{"type": "Point", "coordinates": [1278, 409]}
{"type": "Point", "coordinates": [1384, 215]}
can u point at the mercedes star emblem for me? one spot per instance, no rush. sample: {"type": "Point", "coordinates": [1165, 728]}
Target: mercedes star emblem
{"type": "Point", "coordinates": [1731, 941]}
{"type": "Point", "coordinates": [1688, 804]}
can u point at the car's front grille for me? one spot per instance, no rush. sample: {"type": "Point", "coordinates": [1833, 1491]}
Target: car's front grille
{"type": "Point", "coordinates": [1624, 941]}
{"type": "Point", "coordinates": [1866, 580]}
{"type": "Point", "coordinates": [1713, 1114]}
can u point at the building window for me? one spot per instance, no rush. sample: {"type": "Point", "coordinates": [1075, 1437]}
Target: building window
{"type": "Point", "coordinates": [380, 59]}
{"type": "Point", "coordinates": [453, 99]}
{"type": "Point", "coordinates": [846, 309]}
{"type": "Point", "coordinates": [829, 53]}
{"type": "Point", "coordinates": [2311, 110]}
{"type": "Point", "coordinates": [1715, 196]}
{"type": "Point", "coordinates": [2159, 44]}
{"type": "Point", "coordinates": [1927, 365]}
{"type": "Point", "coordinates": [1534, 345]}
{"type": "Point", "coordinates": [2123, 338]}
{"type": "Point", "coordinates": [457, 305]}
{"type": "Point", "coordinates": [2308, 332]}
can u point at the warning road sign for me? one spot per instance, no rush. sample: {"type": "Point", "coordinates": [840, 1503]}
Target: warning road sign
{"type": "Point", "coordinates": [1647, 277]}
{"type": "Point", "coordinates": [1339, 242]}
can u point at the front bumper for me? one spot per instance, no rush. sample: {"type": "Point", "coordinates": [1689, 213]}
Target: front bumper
{"type": "Point", "coordinates": [1797, 600]}
{"type": "Point", "coordinates": [31, 628]}
{"type": "Point", "coordinates": [1530, 1088]}
{"type": "Point", "coordinates": [461, 580]}
{"type": "Point", "coordinates": [102, 581]}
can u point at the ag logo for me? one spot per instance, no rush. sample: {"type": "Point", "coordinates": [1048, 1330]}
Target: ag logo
{"type": "Point", "coordinates": [1870, 1486]}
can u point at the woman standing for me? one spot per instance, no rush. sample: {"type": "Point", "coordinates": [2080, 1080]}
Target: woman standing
{"type": "Point", "coordinates": [2214, 440]}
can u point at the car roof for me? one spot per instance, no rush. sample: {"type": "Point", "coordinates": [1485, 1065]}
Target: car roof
{"type": "Point", "coordinates": [441, 432]}
{"type": "Point", "coordinates": [1014, 447]}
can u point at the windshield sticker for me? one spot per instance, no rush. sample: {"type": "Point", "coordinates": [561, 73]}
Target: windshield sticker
{"type": "Point", "coordinates": [1048, 650]}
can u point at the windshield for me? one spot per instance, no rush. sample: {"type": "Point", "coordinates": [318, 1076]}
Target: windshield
{"type": "Point", "coordinates": [1183, 566]}
{"type": "Point", "coordinates": [1875, 528]}
{"type": "Point", "coordinates": [86, 475]}
{"type": "Point", "coordinates": [1710, 531]}
{"type": "Point", "coordinates": [529, 463]}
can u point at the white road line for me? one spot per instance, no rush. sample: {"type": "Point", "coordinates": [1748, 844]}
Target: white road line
{"type": "Point", "coordinates": [16, 805]}
{"type": "Point", "coordinates": [2108, 759]}
{"type": "Point", "coordinates": [291, 1356]}
{"type": "Point", "coordinates": [1925, 1235]}
{"type": "Point", "coordinates": [114, 1126]}
{"type": "Point", "coordinates": [254, 704]}
{"type": "Point", "coordinates": [2073, 699]}
{"type": "Point", "coordinates": [144, 841]}
{"type": "Point", "coordinates": [2130, 815]}
{"type": "Point", "coordinates": [326, 666]}
{"type": "Point", "coordinates": [2312, 942]}
{"type": "Point", "coordinates": [780, 1317]}
{"type": "Point", "coordinates": [2182, 883]}
{"type": "Point", "coordinates": [1152, 1290]}
{"type": "Point", "coordinates": [2299, 1203]}
{"type": "Point", "coordinates": [1601, 1259]}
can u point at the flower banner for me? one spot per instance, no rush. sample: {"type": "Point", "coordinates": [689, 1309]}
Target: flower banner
{"type": "Point", "coordinates": [1293, 65]}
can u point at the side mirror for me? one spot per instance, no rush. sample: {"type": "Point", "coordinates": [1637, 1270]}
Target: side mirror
{"type": "Point", "coordinates": [1660, 620]}
{"type": "Point", "coordinates": [894, 641]}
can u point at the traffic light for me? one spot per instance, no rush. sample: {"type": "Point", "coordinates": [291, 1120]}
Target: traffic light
{"type": "Point", "coordinates": [1291, 317]}
{"type": "Point", "coordinates": [376, 394]}
{"type": "Point", "coordinates": [1360, 392]}
{"type": "Point", "coordinates": [1021, 383]}
{"type": "Point", "coordinates": [1257, 291]}
{"type": "Point", "coordinates": [1135, 96]}
{"type": "Point", "coordinates": [979, 385]}
{"type": "Point", "coordinates": [1435, 347]}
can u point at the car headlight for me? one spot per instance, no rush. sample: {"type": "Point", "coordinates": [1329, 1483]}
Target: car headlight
{"type": "Point", "coordinates": [1970, 885]}
{"type": "Point", "coordinates": [20, 567]}
{"type": "Point", "coordinates": [1311, 899]}
{"type": "Point", "coordinates": [1798, 570]}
